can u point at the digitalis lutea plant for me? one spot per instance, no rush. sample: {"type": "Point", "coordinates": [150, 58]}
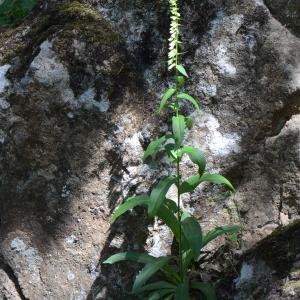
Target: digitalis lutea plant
{"type": "Point", "coordinates": [173, 271]}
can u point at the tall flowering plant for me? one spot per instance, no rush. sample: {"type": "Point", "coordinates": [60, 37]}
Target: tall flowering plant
{"type": "Point", "coordinates": [168, 277]}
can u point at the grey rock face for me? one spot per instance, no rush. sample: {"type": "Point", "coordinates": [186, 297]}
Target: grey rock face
{"type": "Point", "coordinates": [79, 82]}
{"type": "Point", "coordinates": [287, 12]}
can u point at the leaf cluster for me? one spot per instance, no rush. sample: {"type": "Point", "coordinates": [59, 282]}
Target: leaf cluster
{"type": "Point", "coordinates": [187, 230]}
{"type": "Point", "coordinates": [173, 271]}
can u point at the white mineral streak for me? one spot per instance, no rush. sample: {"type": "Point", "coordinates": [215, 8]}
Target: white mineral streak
{"type": "Point", "coordinates": [215, 142]}
{"type": "Point", "coordinates": [133, 145]}
{"type": "Point", "coordinates": [223, 61]}
{"type": "Point", "coordinates": [49, 71]}
{"type": "Point", "coordinates": [4, 82]}
{"type": "Point", "coordinates": [30, 255]}
{"type": "Point", "coordinates": [160, 241]}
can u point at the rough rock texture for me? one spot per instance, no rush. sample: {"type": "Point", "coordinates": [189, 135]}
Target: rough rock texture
{"type": "Point", "coordinates": [79, 82]}
{"type": "Point", "coordinates": [271, 270]}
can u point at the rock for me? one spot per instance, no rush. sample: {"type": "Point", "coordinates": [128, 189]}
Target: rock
{"type": "Point", "coordinates": [271, 269]}
{"type": "Point", "coordinates": [288, 13]}
{"type": "Point", "coordinates": [7, 287]}
{"type": "Point", "coordinates": [79, 84]}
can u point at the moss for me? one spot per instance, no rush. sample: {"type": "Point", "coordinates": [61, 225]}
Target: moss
{"type": "Point", "coordinates": [77, 9]}
{"type": "Point", "coordinates": [69, 20]}
{"type": "Point", "coordinates": [292, 285]}
{"type": "Point", "coordinates": [94, 27]}
{"type": "Point", "coordinates": [295, 272]}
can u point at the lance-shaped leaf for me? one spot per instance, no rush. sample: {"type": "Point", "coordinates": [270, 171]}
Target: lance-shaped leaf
{"type": "Point", "coordinates": [129, 204]}
{"type": "Point", "coordinates": [159, 294]}
{"type": "Point", "coordinates": [168, 217]}
{"type": "Point", "coordinates": [172, 205]}
{"type": "Point", "coordinates": [156, 286]}
{"type": "Point", "coordinates": [211, 235]}
{"type": "Point", "coordinates": [217, 179]}
{"type": "Point", "coordinates": [181, 70]}
{"type": "Point", "coordinates": [182, 291]}
{"type": "Point", "coordinates": [149, 270]}
{"type": "Point", "coordinates": [206, 289]}
{"type": "Point", "coordinates": [193, 234]}
{"type": "Point", "coordinates": [187, 257]}
{"type": "Point", "coordinates": [189, 98]}
{"type": "Point", "coordinates": [190, 184]}
{"type": "Point", "coordinates": [196, 156]}
{"type": "Point", "coordinates": [158, 194]}
{"type": "Point", "coordinates": [143, 258]}
{"type": "Point", "coordinates": [178, 125]}
{"type": "Point", "coordinates": [153, 147]}
{"type": "Point", "coordinates": [167, 95]}
{"type": "Point", "coordinates": [170, 274]}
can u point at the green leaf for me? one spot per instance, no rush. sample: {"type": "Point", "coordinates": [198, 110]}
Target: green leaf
{"type": "Point", "coordinates": [196, 156]}
{"type": "Point", "coordinates": [190, 184]}
{"type": "Point", "coordinates": [170, 150]}
{"type": "Point", "coordinates": [211, 235]}
{"type": "Point", "coordinates": [156, 286]}
{"type": "Point", "coordinates": [170, 274]}
{"type": "Point", "coordinates": [187, 257]}
{"type": "Point", "coordinates": [181, 70]}
{"type": "Point", "coordinates": [178, 126]}
{"type": "Point", "coordinates": [159, 294]}
{"type": "Point", "coordinates": [184, 215]}
{"type": "Point", "coordinates": [193, 234]}
{"type": "Point", "coordinates": [172, 205]}
{"type": "Point", "coordinates": [182, 291]}
{"type": "Point", "coordinates": [129, 204]}
{"type": "Point", "coordinates": [167, 95]}
{"type": "Point", "coordinates": [158, 194]}
{"type": "Point", "coordinates": [180, 81]}
{"type": "Point", "coordinates": [167, 216]}
{"type": "Point", "coordinates": [143, 258]}
{"type": "Point", "coordinates": [190, 99]}
{"type": "Point", "coordinates": [218, 179]}
{"type": "Point", "coordinates": [206, 289]}
{"type": "Point", "coordinates": [154, 146]}
{"type": "Point", "coordinates": [149, 270]}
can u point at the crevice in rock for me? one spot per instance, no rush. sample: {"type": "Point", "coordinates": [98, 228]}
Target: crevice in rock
{"type": "Point", "coordinates": [280, 206]}
{"type": "Point", "coordinates": [10, 273]}
{"type": "Point", "coordinates": [290, 108]}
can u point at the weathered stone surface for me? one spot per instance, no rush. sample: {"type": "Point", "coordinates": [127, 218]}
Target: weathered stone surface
{"type": "Point", "coordinates": [271, 270]}
{"type": "Point", "coordinates": [7, 288]}
{"type": "Point", "coordinates": [79, 82]}
{"type": "Point", "coordinates": [287, 12]}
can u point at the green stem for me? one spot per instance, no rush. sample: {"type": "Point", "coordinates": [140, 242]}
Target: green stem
{"type": "Point", "coordinates": [176, 64]}
{"type": "Point", "coordinates": [179, 221]}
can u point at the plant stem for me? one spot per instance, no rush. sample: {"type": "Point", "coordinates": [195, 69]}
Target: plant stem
{"type": "Point", "coordinates": [179, 220]}
{"type": "Point", "coordinates": [178, 160]}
